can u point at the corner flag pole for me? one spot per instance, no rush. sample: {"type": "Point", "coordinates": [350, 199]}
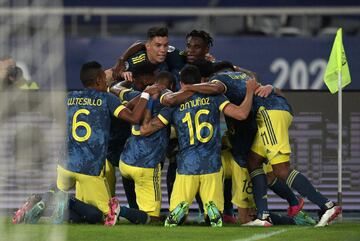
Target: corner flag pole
{"type": "Point", "coordinates": [336, 77]}
{"type": "Point", "coordinates": [340, 139]}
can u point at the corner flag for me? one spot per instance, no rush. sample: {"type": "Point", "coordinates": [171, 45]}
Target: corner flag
{"type": "Point", "coordinates": [337, 64]}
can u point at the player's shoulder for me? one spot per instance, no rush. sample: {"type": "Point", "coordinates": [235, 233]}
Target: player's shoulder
{"type": "Point", "coordinates": [175, 54]}
{"type": "Point", "coordinates": [137, 58]}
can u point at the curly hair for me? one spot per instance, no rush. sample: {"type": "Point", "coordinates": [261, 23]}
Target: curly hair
{"type": "Point", "coordinates": [205, 36]}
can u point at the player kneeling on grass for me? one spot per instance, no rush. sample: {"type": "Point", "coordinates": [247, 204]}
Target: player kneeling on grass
{"type": "Point", "coordinates": [83, 162]}
{"type": "Point", "coordinates": [197, 122]}
{"type": "Point", "coordinates": [75, 211]}
{"type": "Point", "coordinates": [243, 196]}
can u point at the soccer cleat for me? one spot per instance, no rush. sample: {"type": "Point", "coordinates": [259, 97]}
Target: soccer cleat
{"type": "Point", "coordinates": [329, 216]}
{"type": "Point", "coordinates": [61, 207]}
{"type": "Point", "coordinates": [20, 213]}
{"type": "Point", "coordinates": [293, 210]}
{"type": "Point", "coordinates": [229, 219]}
{"type": "Point", "coordinates": [303, 219]}
{"type": "Point", "coordinates": [35, 213]}
{"type": "Point", "coordinates": [177, 215]}
{"type": "Point", "coordinates": [213, 214]}
{"type": "Point", "coordinates": [114, 212]}
{"type": "Point", "coordinates": [259, 222]}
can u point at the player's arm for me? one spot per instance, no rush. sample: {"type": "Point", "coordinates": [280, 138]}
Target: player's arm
{"type": "Point", "coordinates": [135, 116]}
{"type": "Point", "coordinates": [148, 128]}
{"type": "Point", "coordinates": [211, 88]}
{"type": "Point", "coordinates": [266, 90]}
{"type": "Point", "coordinates": [119, 90]}
{"type": "Point", "coordinates": [175, 98]}
{"type": "Point", "coordinates": [119, 70]}
{"type": "Point", "coordinates": [241, 112]}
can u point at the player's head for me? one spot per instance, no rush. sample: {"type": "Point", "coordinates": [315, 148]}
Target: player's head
{"type": "Point", "coordinates": [189, 75]}
{"type": "Point", "coordinates": [222, 66]}
{"type": "Point", "coordinates": [143, 74]}
{"type": "Point", "coordinates": [205, 67]}
{"type": "Point", "coordinates": [93, 76]}
{"type": "Point", "coordinates": [164, 78]}
{"type": "Point", "coordinates": [157, 44]}
{"type": "Point", "coordinates": [198, 43]}
{"type": "Point", "coordinates": [15, 76]}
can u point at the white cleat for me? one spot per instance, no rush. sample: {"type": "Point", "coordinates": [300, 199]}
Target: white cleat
{"type": "Point", "coordinates": [329, 216]}
{"type": "Point", "coordinates": [258, 223]}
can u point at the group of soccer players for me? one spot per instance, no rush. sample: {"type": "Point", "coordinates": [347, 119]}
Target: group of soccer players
{"type": "Point", "coordinates": [169, 103]}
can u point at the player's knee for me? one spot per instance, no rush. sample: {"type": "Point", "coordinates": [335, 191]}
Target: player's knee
{"type": "Point", "coordinates": [254, 161]}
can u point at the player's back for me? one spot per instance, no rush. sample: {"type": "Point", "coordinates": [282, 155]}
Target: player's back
{"type": "Point", "coordinates": [88, 125]}
{"type": "Point", "coordinates": [197, 123]}
{"type": "Point", "coordinates": [235, 83]}
{"type": "Point", "coordinates": [145, 151]}
{"type": "Point", "coordinates": [272, 102]}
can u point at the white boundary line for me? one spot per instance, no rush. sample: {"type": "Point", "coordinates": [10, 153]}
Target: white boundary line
{"type": "Point", "coordinates": [262, 235]}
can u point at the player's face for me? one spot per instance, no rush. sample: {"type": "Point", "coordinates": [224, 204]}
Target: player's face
{"type": "Point", "coordinates": [157, 48]}
{"type": "Point", "coordinates": [195, 49]}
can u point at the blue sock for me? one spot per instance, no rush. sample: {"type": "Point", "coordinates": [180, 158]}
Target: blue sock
{"type": "Point", "coordinates": [283, 191]}
{"type": "Point", "coordinates": [281, 220]}
{"type": "Point", "coordinates": [228, 206]}
{"type": "Point", "coordinates": [301, 184]}
{"type": "Point", "coordinates": [259, 182]}
{"type": "Point", "coordinates": [133, 215]}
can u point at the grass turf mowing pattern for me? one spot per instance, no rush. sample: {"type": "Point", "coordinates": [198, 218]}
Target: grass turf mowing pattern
{"type": "Point", "coordinates": [346, 231]}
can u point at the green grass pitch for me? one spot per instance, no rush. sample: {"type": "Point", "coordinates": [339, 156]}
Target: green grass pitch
{"type": "Point", "coordinates": [341, 231]}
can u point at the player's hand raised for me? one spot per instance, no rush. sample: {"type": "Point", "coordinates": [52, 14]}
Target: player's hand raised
{"type": "Point", "coordinates": [252, 85]}
{"type": "Point", "coordinates": [264, 91]}
{"type": "Point", "coordinates": [127, 75]}
{"type": "Point", "coordinates": [154, 90]}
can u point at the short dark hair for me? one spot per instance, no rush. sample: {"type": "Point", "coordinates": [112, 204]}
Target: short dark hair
{"type": "Point", "coordinates": [89, 72]}
{"type": "Point", "coordinates": [143, 69]}
{"type": "Point", "coordinates": [190, 74]}
{"type": "Point", "coordinates": [157, 32]}
{"type": "Point", "coordinates": [205, 36]}
{"type": "Point", "coordinates": [223, 65]}
{"type": "Point", "coordinates": [164, 77]}
{"type": "Point", "coordinates": [205, 67]}
{"type": "Point", "coordinates": [14, 72]}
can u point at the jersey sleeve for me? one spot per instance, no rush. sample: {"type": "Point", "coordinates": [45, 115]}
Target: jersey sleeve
{"type": "Point", "coordinates": [129, 95]}
{"type": "Point", "coordinates": [175, 59]}
{"type": "Point", "coordinates": [165, 115]}
{"type": "Point", "coordinates": [222, 101]}
{"type": "Point", "coordinates": [163, 93]}
{"type": "Point", "coordinates": [217, 80]}
{"type": "Point", "coordinates": [115, 106]}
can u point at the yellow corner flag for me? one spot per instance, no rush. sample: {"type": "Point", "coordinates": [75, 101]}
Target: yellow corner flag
{"type": "Point", "coordinates": [337, 64]}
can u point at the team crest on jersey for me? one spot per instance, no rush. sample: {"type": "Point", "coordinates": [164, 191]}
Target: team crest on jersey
{"type": "Point", "coordinates": [171, 49]}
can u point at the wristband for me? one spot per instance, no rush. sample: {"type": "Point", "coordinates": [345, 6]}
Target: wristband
{"type": "Point", "coordinates": [145, 95]}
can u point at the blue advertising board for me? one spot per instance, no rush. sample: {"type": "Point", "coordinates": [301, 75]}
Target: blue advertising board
{"type": "Point", "coordinates": [288, 63]}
